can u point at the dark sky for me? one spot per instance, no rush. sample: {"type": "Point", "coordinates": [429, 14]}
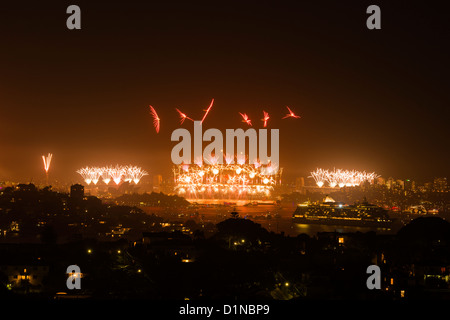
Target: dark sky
{"type": "Point", "coordinates": [374, 100]}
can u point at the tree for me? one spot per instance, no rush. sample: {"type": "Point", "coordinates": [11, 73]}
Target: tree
{"type": "Point", "coordinates": [48, 235]}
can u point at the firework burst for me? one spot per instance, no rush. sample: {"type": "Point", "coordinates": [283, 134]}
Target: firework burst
{"type": "Point", "coordinates": [183, 116]}
{"type": "Point", "coordinates": [117, 174]}
{"type": "Point", "coordinates": [342, 178]}
{"type": "Point", "coordinates": [156, 119]}
{"type": "Point", "coordinates": [291, 114]}
{"type": "Point", "coordinates": [246, 119]}
{"type": "Point", "coordinates": [265, 118]}
{"type": "Point", "coordinates": [226, 181]}
{"type": "Point", "coordinates": [47, 160]}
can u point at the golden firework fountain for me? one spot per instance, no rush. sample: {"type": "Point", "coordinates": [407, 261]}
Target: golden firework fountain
{"type": "Point", "coordinates": [226, 181]}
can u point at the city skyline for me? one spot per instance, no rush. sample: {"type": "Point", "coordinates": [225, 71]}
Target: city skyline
{"type": "Point", "coordinates": [370, 100]}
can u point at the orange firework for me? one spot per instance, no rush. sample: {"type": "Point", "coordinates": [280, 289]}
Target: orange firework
{"type": "Point", "coordinates": [183, 116]}
{"type": "Point", "coordinates": [226, 181]}
{"type": "Point", "coordinates": [246, 119]}
{"type": "Point", "coordinates": [156, 119]}
{"type": "Point", "coordinates": [291, 114]}
{"type": "Point", "coordinates": [265, 119]}
{"type": "Point", "coordinates": [47, 160]}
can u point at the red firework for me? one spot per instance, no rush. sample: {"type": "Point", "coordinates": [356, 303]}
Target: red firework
{"type": "Point", "coordinates": [156, 119]}
{"type": "Point", "coordinates": [291, 114]}
{"type": "Point", "coordinates": [246, 119]}
{"type": "Point", "coordinates": [183, 116]}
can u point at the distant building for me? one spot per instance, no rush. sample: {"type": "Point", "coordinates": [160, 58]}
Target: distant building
{"type": "Point", "coordinates": [170, 244]}
{"type": "Point", "coordinates": [390, 183]}
{"type": "Point", "coordinates": [400, 184]}
{"type": "Point", "coordinates": [157, 180]}
{"type": "Point", "coordinates": [440, 185]}
{"type": "Point", "coordinates": [25, 277]}
{"type": "Point", "coordinates": [428, 186]}
{"type": "Point", "coordinates": [299, 184]}
{"type": "Point", "coordinates": [77, 192]}
{"type": "Point", "coordinates": [381, 181]}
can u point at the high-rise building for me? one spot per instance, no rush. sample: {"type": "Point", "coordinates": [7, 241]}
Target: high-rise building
{"type": "Point", "coordinates": [77, 192]}
{"type": "Point", "coordinates": [299, 184]}
{"type": "Point", "coordinates": [157, 180]}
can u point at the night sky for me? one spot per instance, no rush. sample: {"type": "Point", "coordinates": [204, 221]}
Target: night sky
{"type": "Point", "coordinates": [374, 100]}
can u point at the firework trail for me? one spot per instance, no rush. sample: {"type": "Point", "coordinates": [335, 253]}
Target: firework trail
{"type": "Point", "coordinates": [207, 110]}
{"type": "Point", "coordinates": [47, 160]}
{"type": "Point", "coordinates": [183, 116]}
{"type": "Point", "coordinates": [156, 119]}
{"type": "Point", "coordinates": [290, 114]}
{"type": "Point", "coordinates": [265, 119]}
{"type": "Point", "coordinates": [246, 119]}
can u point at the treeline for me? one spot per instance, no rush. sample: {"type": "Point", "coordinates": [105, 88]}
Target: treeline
{"type": "Point", "coordinates": [153, 199]}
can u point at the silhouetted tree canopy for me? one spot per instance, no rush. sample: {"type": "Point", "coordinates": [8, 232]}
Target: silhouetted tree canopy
{"type": "Point", "coordinates": [241, 228]}
{"type": "Point", "coordinates": [425, 229]}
